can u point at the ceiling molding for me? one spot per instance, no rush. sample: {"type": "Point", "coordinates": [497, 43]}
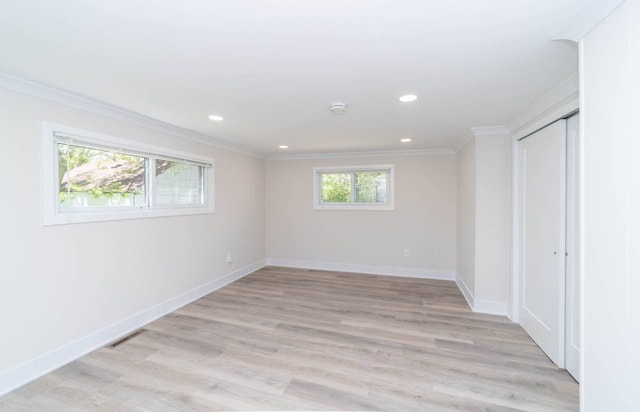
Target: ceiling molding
{"type": "Point", "coordinates": [373, 153]}
{"type": "Point", "coordinates": [465, 142]}
{"type": "Point", "coordinates": [490, 130]}
{"type": "Point", "coordinates": [589, 17]}
{"type": "Point", "coordinates": [555, 104]}
{"type": "Point", "coordinates": [51, 94]}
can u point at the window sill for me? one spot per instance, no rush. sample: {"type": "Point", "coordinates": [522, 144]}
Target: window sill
{"type": "Point", "coordinates": [65, 218]}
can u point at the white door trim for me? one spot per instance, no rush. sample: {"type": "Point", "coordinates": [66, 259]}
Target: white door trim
{"type": "Point", "coordinates": [573, 246]}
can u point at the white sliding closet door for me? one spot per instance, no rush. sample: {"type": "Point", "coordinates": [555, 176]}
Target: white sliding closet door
{"type": "Point", "coordinates": [542, 183]}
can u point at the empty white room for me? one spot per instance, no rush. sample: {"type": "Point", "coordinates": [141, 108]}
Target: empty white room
{"type": "Point", "coordinates": [281, 205]}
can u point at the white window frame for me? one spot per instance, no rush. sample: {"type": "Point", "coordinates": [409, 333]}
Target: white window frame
{"type": "Point", "coordinates": [50, 190]}
{"type": "Point", "coordinates": [317, 188]}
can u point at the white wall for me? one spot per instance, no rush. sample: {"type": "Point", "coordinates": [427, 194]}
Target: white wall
{"type": "Point", "coordinates": [466, 217]}
{"type": "Point", "coordinates": [424, 219]}
{"type": "Point", "coordinates": [59, 284]}
{"type": "Point", "coordinates": [493, 214]}
{"type": "Point", "coordinates": [483, 221]}
{"type": "Point", "coordinates": [611, 291]}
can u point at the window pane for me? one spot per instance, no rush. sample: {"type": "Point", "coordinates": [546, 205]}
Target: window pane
{"type": "Point", "coordinates": [178, 183]}
{"type": "Point", "coordinates": [336, 187]}
{"type": "Point", "coordinates": [371, 187]}
{"type": "Point", "coordinates": [93, 178]}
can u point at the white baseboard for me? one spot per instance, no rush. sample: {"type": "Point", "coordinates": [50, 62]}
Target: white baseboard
{"type": "Point", "coordinates": [14, 378]}
{"type": "Point", "coordinates": [481, 306]}
{"type": "Point", "coordinates": [490, 307]}
{"type": "Point", "coordinates": [358, 268]}
{"type": "Point", "coordinates": [464, 289]}
{"type": "Point", "coordinates": [510, 313]}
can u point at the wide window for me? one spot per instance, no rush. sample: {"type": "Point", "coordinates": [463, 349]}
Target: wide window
{"type": "Point", "coordinates": [91, 177]}
{"type": "Point", "coordinates": [354, 187]}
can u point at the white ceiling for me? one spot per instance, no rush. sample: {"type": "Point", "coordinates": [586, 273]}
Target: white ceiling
{"type": "Point", "coordinates": [273, 67]}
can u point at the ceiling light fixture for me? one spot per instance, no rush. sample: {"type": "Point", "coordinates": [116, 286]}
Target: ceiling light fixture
{"type": "Point", "coordinates": [283, 146]}
{"type": "Point", "coordinates": [216, 118]}
{"type": "Point", "coordinates": [338, 108]}
{"type": "Point", "coordinates": [405, 140]}
{"type": "Point", "coordinates": [408, 98]}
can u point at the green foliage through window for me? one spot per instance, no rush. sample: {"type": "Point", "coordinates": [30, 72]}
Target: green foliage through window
{"type": "Point", "coordinates": [371, 187]}
{"type": "Point", "coordinates": [93, 178]}
{"type": "Point", "coordinates": [368, 187]}
{"type": "Point", "coordinates": [336, 188]}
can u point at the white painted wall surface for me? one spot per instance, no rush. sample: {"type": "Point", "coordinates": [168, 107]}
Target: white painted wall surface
{"type": "Point", "coordinates": [493, 214]}
{"type": "Point", "coordinates": [62, 283]}
{"type": "Point", "coordinates": [484, 220]}
{"type": "Point", "coordinates": [424, 219]}
{"type": "Point", "coordinates": [466, 217]}
{"type": "Point", "coordinates": [610, 107]}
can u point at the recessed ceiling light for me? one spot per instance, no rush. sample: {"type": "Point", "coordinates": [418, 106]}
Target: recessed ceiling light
{"type": "Point", "coordinates": [338, 108]}
{"type": "Point", "coordinates": [405, 140]}
{"type": "Point", "coordinates": [283, 146]}
{"type": "Point", "coordinates": [216, 118]}
{"type": "Point", "coordinates": [408, 98]}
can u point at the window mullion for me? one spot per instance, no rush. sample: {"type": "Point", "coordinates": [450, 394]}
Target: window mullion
{"type": "Point", "coordinates": [151, 182]}
{"type": "Point", "coordinates": [353, 188]}
{"type": "Point", "coordinates": [387, 187]}
{"type": "Point", "coordinates": [203, 183]}
{"type": "Point", "coordinates": [66, 172]}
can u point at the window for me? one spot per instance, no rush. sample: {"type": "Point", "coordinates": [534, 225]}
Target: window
{"type": "Point", "coordinates": [353, 187]}
{"type": "Point", "coordinates": [91, 177]}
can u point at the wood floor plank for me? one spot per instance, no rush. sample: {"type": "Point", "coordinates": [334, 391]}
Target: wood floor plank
{"type": "Point", "coordinates": [296, 339]}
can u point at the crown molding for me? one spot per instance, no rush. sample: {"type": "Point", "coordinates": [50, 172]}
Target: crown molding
{"type": "Point", "coordinates": [589, 17]}
{"type": "Point", "coordinates": [476, 132]}
{"type": "Point", "coordinates": [66, 98]}
{"type": "Point", "coordinates": [556, 103]}
{"type": "Point", "coordinates": [468, 139]}
{"type": "Point", "coordinates": [379, 153]}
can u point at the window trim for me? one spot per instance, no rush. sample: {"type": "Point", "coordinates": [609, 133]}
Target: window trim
{"type": "Point", "coordinates": [317, 187]}
{"type": "Point", "coordinates": [51, 214]}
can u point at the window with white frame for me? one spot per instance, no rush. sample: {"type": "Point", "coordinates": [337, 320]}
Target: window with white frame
{"type": "Point", "coordinates": [93, 177]}
{"type": "Point", "coordinates": [353, 187]}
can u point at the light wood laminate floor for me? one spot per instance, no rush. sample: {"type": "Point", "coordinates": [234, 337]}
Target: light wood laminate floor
{"type": "Point", "coordinates": [293, 339]}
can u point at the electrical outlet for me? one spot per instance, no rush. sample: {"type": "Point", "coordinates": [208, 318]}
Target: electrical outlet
{"type": "Point", "coordinates": [405, 253]}
{"type": "Point", "coordinates": [229, 258]}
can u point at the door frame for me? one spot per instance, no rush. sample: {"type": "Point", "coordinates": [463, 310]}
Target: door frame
{"type": "Point", "coordinates": [574, 247]}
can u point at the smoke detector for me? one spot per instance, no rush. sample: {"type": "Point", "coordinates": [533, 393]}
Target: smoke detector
{"type": "Point", "coordinates": [338, 108]}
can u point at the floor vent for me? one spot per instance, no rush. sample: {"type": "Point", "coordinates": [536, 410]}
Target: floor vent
{"type": "Point", "coordinates": [122, 340]}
